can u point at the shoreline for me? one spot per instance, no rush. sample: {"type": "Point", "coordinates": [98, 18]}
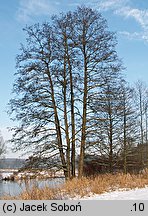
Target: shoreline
{"type": "Point", "coordinates": [17, 175]}
{"type": "Point", "coordinates": [84, 187]}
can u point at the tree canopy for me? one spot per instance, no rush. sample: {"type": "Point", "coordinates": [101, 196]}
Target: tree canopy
{"type": "Point", "coordinates": [68, 93]}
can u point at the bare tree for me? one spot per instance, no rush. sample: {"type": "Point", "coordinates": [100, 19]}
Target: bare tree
{"type": "Point", "coordinates": [96, 47]}
{"type": "Point", "coordinates": [128, 130]}
{"type": "Point", "coordinates": [107, 106]}
{"type": "Point", "coordinates": [141, 105]}
{"type": "Point", "coordinates": [68, 65]}
{"type": "Point", "coordinates": [35, 106]}
{"type": "Point", "coordinates": [58, 74]}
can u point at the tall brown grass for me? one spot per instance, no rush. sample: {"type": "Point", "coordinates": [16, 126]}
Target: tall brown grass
{"type": "Point", "coordinates": [77, 188]}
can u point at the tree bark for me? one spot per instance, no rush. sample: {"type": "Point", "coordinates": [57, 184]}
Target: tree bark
{"type": "Point", "coordinates": [58, 128]}
{"type": "Point", "coordinates": [83, 135]}
{"type": "Point", "coordinates": [66, 120]}
{"type": "Point", "coordinates": [124, 139]}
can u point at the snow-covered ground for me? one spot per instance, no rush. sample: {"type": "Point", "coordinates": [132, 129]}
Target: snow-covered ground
{"type": "Point", "coordinates": [135, 194]}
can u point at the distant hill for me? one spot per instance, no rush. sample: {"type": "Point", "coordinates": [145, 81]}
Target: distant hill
{"type": "Point", "coordinates": [11, 163]}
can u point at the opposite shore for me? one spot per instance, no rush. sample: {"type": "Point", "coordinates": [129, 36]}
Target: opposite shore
{"type": "Point", "coordinates": [15, 175]}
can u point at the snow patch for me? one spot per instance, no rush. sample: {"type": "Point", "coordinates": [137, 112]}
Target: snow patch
{"type": "Point", "coordinates": [134, 194]}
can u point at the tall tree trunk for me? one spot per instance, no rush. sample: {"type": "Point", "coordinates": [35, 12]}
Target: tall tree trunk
{"type": "Point", "coordinates": [110, 135]}
{"type": "Point", "coordinates": [66, 120]}
{"type": "Point", "coordinates": [73, 160]}
{"type": "Point", "coordinates": [58, 128]}
{"type": "Point", "coordinates": [141, 129]}
{"type": "Point", "coordinates": [110, 145]}
{"type": "Point", "coordinates": [83, 135]}
{"type": "Point", "coordinates": [124, 140]}
{"type": "Point", "coordinates": [141, 118]}
{"type": "Point", "coordinates": [73, 151]}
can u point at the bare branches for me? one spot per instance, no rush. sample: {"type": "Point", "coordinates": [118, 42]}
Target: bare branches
{"type": "Point", "coordinates": [63, 92]}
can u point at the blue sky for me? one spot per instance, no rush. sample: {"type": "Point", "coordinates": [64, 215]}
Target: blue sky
{"type": "Point", "coordinates": [128, 18]}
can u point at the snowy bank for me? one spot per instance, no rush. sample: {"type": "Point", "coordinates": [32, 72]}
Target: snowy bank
{"type": "Point", "coordinates": [134, 194]}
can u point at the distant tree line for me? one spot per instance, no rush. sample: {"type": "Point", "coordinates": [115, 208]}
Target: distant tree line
{"type": "Point", "coordinates": [11, 163]}
{"type": "Point", "coordinates": [71, 98]}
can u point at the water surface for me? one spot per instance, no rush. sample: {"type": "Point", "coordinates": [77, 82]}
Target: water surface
{"type": "Point", "coordinates": [14, 188]}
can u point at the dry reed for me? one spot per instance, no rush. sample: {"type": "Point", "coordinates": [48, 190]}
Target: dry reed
{"type": "Point", "coordinates": [82, 187]}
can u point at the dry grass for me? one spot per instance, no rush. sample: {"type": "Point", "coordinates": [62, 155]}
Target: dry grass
{"type": "Point", "coordinates": [85, 186]}
{"type": "Point", "coordinates": [36, 193]}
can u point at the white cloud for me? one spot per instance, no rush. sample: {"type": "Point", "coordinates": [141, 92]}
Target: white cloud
{"type": "Point", "coordinates": [135, 35]}
{"type": "Point", "coordinates": [123, 8]}
{"type": "Point", "coordinates": [29, 8]}
{"type": "Point", "coordinates": [111, 4]}
{"type": "Point", "coordinates": [141, 16]}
